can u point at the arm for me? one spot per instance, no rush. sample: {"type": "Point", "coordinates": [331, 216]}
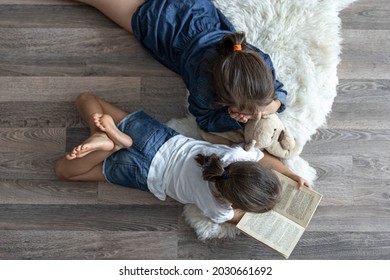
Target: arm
{"type": "Point", "coordinates": [272, 162]}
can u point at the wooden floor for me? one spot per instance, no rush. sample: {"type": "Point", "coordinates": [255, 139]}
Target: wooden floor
{"type": "Point", "coordinates": [51, 50]}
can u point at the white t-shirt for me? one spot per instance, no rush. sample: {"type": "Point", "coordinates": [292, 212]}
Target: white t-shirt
{"type": "Point", "coordinates": [175, 173]}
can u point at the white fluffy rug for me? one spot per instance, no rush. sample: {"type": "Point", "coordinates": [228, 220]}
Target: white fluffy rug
{"type": "Point", "coordinates": [303, 39]}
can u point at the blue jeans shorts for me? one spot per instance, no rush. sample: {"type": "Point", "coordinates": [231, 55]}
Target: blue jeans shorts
{"type": "Point", "coordinates": [130, 167]}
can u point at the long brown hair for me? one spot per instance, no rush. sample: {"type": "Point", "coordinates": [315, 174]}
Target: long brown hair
{"type": "Point", "coordinates": [247, 185]}
{"type": "Point", "coordinates": [241, 77]}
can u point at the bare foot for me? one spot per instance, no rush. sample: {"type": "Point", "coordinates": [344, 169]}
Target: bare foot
{"type": "Point", "coordinates": [96, 142]}
{"type": "Point", "coordinates": [106, 123]}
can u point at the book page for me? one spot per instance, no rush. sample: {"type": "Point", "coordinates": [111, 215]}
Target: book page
{"type": "Point", "coordinates": [297, 205]}
{"type": "Point", "coordinates": [272, 229]}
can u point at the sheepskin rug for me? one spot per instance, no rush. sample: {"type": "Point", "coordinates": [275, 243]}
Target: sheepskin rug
{"type": "Point", "coordinates": [303, 39]}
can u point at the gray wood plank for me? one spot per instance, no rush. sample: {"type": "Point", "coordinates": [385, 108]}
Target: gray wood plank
{"type": "Point", "coordinates": [368, 191]}
{"type": "Point", "coordinates": [343, 246]}
{"type": "Point", "coordinates": [164, 98]}
{"type": "Point", "coordinates": [38, 114]}
{"type": "Point", "coordinates": [355, 91]}
{"type": "Point", "coordinates": [242, 247]}
{"type": "Point", "coordinates": [114, 194]}
{"type": "Point", "coordinates": [315, 245]}
{"type": "Point", "coordinates": [74, 52]}
{"type": "Point", "coordinates": [66, 89]}
{"type": "Point", "coordinates": [329, 167]}
{"type": "Point", "coordinates": [360, 115]}
{"type": "Point", "coordinates": [89, 217]}
{"type": "Point", "coordinates": [349, 142]}
{"type": "Point", "coordinates": [336, 190]}
{"type": "Point", "coordinates": [63, 114]}
{"type": "Point", "coordinates": [365, 218]}
{"type": "Point", "coordinates": [79, 245]}
{"type": "Point", "coordinates": [28, 165]}
{"type": "Point", "coordinates": [367, 166]}
{"type": "Point", "coordinates": [18, 191]}
{"type": "Point", "coordinates": [365, 54]}
{"type": "Point", "coordinates": [364, 14]}
{"type": "Point", "coordinates": [354, 135]}
{"type": "Point", "coordinates": [53, 16]}
{"type": "Point", "coordinates": [28, 139]}
{"type": "Point", "coordinates": [359, 190]}
{"type": "Point", "coordinates": [335, 180]}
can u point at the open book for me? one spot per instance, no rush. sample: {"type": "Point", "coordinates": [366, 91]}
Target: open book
{"type": "Point", "coordinates": [282, 227]}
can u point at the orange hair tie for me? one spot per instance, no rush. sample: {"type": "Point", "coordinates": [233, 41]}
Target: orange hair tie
{"type": "Point", "coordinates": [237, 47]}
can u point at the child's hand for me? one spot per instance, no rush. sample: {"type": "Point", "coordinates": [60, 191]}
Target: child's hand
{"type": "Point", "coordinates": [302, 182]}
{"type": "Point", "coordinates": [241, 116]}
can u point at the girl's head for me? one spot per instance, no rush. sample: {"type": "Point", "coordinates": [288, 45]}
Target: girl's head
{"type": "Point", "coordinates": [247, 185]}
{"type": "Point", "coordinates": [241, 77]}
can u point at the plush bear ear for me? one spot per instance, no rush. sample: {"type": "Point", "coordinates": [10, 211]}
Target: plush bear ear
{"type": "Point", "coordinates": [281, 136]}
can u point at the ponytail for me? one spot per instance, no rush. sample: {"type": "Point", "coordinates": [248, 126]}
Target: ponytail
{"type": "Point", "coordinates": [213, 170]}
{"type": "Point", "coordinates": [241, 76]}
{"type": "Point", "coordinates": [232, 43]}
{"type": "Point", "coordinates": [246, 184]}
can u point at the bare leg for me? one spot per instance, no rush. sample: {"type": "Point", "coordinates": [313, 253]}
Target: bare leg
{"type": "Point", "coordinates": [87, 168]}
{"type": "Point", "coordinates": [120, 11]}
{"type": "Point", "coordinates": [111, 139]}
{"type": "Point", "coordinates": [90, 106]}
{"type": "Point", "coordinates": [87, 157]}
{"type": "Point", "coordinates": [96, 142]}
{"type": "Point", "coordinates": [84, 162]}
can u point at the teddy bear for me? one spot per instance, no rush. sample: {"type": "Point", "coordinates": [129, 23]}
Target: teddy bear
{"type": "Point", "coordinates": [270, 134]}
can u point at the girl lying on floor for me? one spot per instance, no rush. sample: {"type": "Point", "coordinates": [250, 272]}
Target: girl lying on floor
{"type": "Point", "coordinates": [135, 150]}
